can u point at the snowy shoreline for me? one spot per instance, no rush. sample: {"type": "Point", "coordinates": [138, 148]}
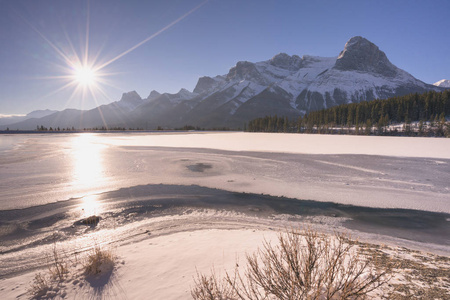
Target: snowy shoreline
{"type": "Point", "coordinates": [165, 255]}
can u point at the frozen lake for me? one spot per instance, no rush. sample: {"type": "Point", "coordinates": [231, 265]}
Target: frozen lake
{"type": "Point", "coordinates": [389, 172]}
{"type": "Point", "coordinates": [398, 187]}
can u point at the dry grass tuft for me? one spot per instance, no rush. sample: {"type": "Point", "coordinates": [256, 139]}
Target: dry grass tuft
{"type": "Point", "coordinates": [99, 261]}
{"type": "Point", "coordinates": [304, 265]}
{"type": "Point", "coordinates": [62, 268]}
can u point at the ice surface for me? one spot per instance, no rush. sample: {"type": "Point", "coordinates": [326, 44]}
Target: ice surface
{"type": "Point", "coordinates": [365, 171]}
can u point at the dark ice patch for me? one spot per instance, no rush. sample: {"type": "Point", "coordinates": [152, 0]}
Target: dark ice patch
{"type": "Point", "coordinates": [199, 167]}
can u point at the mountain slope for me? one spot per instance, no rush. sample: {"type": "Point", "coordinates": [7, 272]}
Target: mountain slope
{"type": "Point", "coordinates": [114, 114]}
{"type": "Point", "coordinates": [34, 114]}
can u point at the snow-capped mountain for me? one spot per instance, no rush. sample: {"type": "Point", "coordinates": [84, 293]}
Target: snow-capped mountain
{"type": "Point", "coordinates": [129, 101]}
{"type": "Point", "coordinates": [283, 85]}
{"type": "Point", "coordinates": [445, 83]}
{"type": "Point", "coordinates": [291, 86]}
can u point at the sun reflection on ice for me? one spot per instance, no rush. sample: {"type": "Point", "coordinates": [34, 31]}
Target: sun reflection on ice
{"type": "Point", "coordinates": [87, 156]}
{"type": "Point", "coordinates": [90, 205]}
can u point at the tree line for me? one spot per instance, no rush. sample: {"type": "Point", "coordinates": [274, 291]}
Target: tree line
{"type": "Point", "coordinates": [420, 114]}
{"type": "Point", "coordinates": [68, 129]}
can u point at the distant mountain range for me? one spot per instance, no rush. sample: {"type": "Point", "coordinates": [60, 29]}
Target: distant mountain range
{"type": "Point", "coordinates": [283, 85]}
{"type": "Point", "coordinates": [34, 114]}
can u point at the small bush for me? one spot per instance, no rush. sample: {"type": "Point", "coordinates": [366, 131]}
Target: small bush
{"type": "Point", "coordinates": [304, 265]}
{"type": "Point", "coordinates": [99, 261]}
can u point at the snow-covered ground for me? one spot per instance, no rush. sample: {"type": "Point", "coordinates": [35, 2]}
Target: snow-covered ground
{"type": "Point", "coordinates": [296, 143]}
{"type": "Point", "coordinates": [160, 268]}
{"type": "Point", "coordinates": [164, 265]}
{"type": "Point", "coordinates": [173, 202]}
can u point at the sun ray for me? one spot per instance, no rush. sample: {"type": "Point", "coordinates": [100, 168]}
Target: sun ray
{"type": "Point", "coordinates": [85, 72]}
{"type": "Point", "coordinates": [57, 50]}
{"type": "Point", "coordinates": [86, 47]}
{"type": "Point", "coordinates": [78, 61]}
{"type": "Point", "coordinates": [152, 36]}
{"type": "Point", "coordinates": [58, 90]}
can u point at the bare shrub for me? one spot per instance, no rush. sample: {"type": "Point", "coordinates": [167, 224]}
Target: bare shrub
{"type": "Point", "coordinates": [58, 267]}
{"type": "Point", "coordinates": [99, 260]}
{"type": "Point", "coordinates": [211, 288]}
{"type": "Point", "coordinates": [304, 265]}
{"type": "Point", "coordinates": [40, 286]}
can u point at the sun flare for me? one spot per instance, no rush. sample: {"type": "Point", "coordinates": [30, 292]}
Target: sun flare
{"type": "Point", "coordinates": [85, 75]}
{"type": "Point", "coordinates": [84, 71]}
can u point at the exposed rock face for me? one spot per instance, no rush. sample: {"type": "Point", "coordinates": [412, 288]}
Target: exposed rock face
{"type": "Point", "coordinates": [204, 84]}
{"type": "Point", "coordinates": [287, 62]}
{"type": "Point", "coordinates": [245, 70]}
{"type": "Point", "coordinates": [361, 55]}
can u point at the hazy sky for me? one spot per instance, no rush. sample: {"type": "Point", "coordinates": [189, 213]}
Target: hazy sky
{"type": "Point", "coordinates": [39, 39]}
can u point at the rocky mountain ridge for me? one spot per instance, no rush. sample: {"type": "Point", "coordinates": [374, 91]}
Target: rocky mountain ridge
{"type": "Point", "coordinates": [284, 85]}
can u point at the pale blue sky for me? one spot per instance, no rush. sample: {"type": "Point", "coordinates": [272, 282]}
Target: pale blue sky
{"type": "Point", "coordinates": [415, 35]}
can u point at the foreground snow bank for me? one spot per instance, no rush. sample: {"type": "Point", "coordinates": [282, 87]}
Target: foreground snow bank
{"type": "Point", "coordinates": [162, 267]}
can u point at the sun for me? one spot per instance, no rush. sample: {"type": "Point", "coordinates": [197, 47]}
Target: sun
{"type": "Point", "coordinates": [85, 75]}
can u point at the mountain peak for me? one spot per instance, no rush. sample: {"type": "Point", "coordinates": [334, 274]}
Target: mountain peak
{"type": "Point", "coordinates": [206, 83]}
{"type": "Point", "coordinates": [360, 54]}
{"type": "Point", "coordinates": [184, 93]}
{"type": "Point", "coordinates": [203, 84]}
{"type": "Point", "coordinates": [285, 61]}
{"type": "Point", "coordinates": [153, 95]}
{"type": "Point", "coordinates": [130, 100]}
{"type": "Point", "coordinates": [356, 42]}
{"type": "Point", "coordinates": [445, 83]}
{"type": "Point", "coordinates": [243, 70]}
{"type": "Point", "coordinates": [130, 97]}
